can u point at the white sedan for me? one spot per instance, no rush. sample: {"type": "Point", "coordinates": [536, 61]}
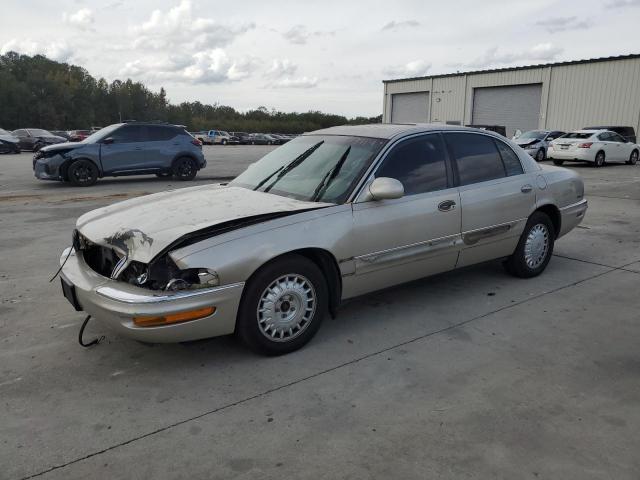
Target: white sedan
{"type": "Point", "coordinates": [594, 146]}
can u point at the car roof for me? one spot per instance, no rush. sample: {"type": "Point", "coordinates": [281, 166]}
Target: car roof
{"type": "Point", "coordinates": [392, 130]}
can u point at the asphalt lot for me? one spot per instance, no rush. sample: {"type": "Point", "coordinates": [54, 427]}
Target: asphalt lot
{"type": "Point", "coordinates": [470, 374]}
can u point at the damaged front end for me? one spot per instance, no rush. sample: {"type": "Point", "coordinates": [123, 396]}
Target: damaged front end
{"type": "Point", "coordinates": [160, 274]}
{"type": "Point", "coordinates": [112, 257]}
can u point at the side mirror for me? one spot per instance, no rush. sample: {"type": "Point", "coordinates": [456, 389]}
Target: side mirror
{"type": "Point", "coordinates": [108, 141]}
{"type": "Point", "coordinates": [385, 188]}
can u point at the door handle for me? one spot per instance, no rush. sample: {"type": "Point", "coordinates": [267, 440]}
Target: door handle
{"type": "Point", "coordinates": [446, 206]}
{"type": "Point", "coordinates": [526, 188]}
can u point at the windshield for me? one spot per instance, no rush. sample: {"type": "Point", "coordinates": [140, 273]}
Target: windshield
{"type": "Point", "coordinates": [317, 168]}
{"type": "Point", "coordinates": [533, 134]}
{"type": "Point", "coordinates": [4, 132]}
{"type": "Point", "coordinates": [102, 133]}
{"type": "Point", "coordinates": [578, 135]}
{"type": "Point", "coordinates": [38, 132]}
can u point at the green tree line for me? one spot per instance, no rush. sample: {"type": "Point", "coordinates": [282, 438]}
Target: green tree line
{"type": "Point", "coordinates": [40, 93]}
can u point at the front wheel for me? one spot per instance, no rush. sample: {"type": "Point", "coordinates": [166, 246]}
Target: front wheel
{"type": "Point", "coordinates": [633, 159]}
{"type": "Point", "coordinates": [283, 306]}
{"type": "Point", "coordinates": [540, 155]}
{"type": "Point", "coordinates": [82, 173]}
{"type": "Point", "coordinates": [534, 249]}
{"type": "Point", "coordinates": [185, 169]}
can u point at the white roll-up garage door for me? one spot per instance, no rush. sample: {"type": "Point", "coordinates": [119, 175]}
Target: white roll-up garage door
{"type": "Point", "coordinates": [517, 107]}
{"type": "Point", "coordinates": [410, 107]}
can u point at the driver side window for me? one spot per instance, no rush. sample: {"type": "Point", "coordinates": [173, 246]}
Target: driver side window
{"type": "Point", "coordinates": [418, 163]}
{"type": "Point", "coordinates": [128, 134]}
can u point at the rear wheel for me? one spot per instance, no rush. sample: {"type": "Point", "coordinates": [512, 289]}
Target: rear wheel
{"type": "Point", "coordinates": [283, 306]}
{"type": "Point", "coordinates": [633, 159]}
{"type": "Point", "coordinates": [599, 162]}
{"type": "Point", "coordinates": [185, 169]}
{"type": "Point", "coordinates": [82, 173]}
{"type": "Point", "coordinates": [534, 249]}
{"type": "Point", "coordinates": [540, 155]}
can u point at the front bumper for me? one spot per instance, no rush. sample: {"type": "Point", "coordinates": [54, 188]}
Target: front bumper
{"type": "Point", "coordinates": [572, 215]}
{"type": "Point", "coordinates": [116, 303]}
{"type": "Point", "coordinates": [43, 169]}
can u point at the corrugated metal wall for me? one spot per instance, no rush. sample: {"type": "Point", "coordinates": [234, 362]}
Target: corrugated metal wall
{"type": "Point", "coordinates": [572, 95]}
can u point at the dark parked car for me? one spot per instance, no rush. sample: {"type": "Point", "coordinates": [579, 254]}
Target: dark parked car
{"type": "Point", "coordinates": [629, 133]}
{"type": "Point", "coordinates": [36, 138]}
{"type": "Point", "coordinates": [135, 148]}
{"type": "Point", "coordinates": [79, 135]}
{"type": "Point", "coordinates": [9, 143]}
{"type": "Point", "coordinates": [261, 139]}
{"type": "Point", "coordinates": [243, 137]}
{"type": "Point", "coordinates": [62, 133]}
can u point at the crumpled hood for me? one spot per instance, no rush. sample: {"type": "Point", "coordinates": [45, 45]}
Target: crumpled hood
{"type": "Point", "coordinates": [525, 142]}
{"type": "Point", "coordinates": [144, 226]}
{"type": "Point", "coordinates": [63, 146]}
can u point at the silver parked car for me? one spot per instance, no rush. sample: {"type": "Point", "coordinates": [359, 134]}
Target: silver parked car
{"type": "Point", "coordinates": [536, 142]}
{"type": "Point", "coordinates": [330, 215]}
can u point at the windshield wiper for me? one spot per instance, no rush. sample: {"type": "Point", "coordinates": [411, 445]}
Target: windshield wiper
{"type": "Point", "coordinates": [293, 164]}
{"type": "Point", "coordinates": [330, 176]}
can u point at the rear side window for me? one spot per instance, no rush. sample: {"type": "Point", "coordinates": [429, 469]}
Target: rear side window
{"type": "Point", "coordinates": [419, 163]}
{"type": "Point", "coordinates": [159, 134]}
{"type": "Point", "coordinates": [512, 165]}
{"type": "Point", "coordinates": [476, 157]}
{"type": "Point", "coordinates": [128, 134]}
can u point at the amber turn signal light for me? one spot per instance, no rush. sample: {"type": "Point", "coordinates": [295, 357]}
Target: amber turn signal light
{"type": "Point", "coordinates": [173, 317]}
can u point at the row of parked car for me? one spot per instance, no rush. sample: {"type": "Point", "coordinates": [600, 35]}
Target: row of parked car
{"type": "Point", "coordinates": [221, 137]}
{"type": "Point", "coordinates": [34, 139]}
{"type": "Point", "coordinates": [596, 145]}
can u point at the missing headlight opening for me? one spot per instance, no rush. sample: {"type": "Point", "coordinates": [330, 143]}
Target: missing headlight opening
{"type": "Point", "coordinates": [163, 274]}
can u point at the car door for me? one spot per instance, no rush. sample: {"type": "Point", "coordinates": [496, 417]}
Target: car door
{"type": "Point", "coordinates": [623, 148]}
{"type": "Point", "coordinates": [122, 151]}
{"type": "Point", "coordinates": [161, 146]}
{"type": "Point", "coordinates": [496, 195]}
{"type": "Point", "coordinates": [24, 140]}
{"type": "Point", "coordinates": [398, 240]}
{"type": "Point", "coordinates": [609, 147]}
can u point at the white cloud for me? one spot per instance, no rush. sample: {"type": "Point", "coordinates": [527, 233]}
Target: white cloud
{"type": "Point", "coordinates": [393, 25]}
{"type": "Point", "coordinates": [416, 68]}
{"type": "Point", "coordinates": [58, 51]}
{"type": "Point", "coordinates": [180, 26]}
{"type": "Point", "coordinates": [82, 19]}
{"type": "Point", "coordinates": [562, 24]}
{"type": "Point", "coordinates": [210, 66]}
{"type": "Point", "coordinates": [494, 57]}
{"type": "Point", "coordinates": [282, 68]}
{"type": "Point", "coordinates": [299, 34]}
{"type": "Point", "coordinates": [299, 82]}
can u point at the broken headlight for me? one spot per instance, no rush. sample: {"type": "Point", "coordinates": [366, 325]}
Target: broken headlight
{"type": "Point", "coordinates": [163, 274]}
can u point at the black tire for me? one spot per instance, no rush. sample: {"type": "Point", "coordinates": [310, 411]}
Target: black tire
{"type": "Point", "coordinates": [541, 155]}
{"type": "Point", "coordinates": [633, 159]}
{"type": "Point", "coordinates": [82, 173]}
{"type": "Point", "coordinates": [254, 332]}
{"type": "Point", "coordinates": [558, 162]}
{"type": "Point", "coordinates": [600, 159]}
{"type": "Point", "coordinates": [163, 174]}
{"type": "Point", "coordinates": [525, 264]}
{"type": "Point", "coordinates": [185, 169]}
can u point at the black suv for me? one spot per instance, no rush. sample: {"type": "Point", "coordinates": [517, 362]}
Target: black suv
{"type": "Point", "coordinates": [131, 148]}
{"type": "Point", "coordinates": [629, 133]}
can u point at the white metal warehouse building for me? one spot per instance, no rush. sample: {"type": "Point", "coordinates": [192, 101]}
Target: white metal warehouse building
{"type": "Point", "coordinates": [558, 96]}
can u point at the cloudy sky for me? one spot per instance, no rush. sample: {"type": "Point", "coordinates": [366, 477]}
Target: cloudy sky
{"type": "Point", "coordinates": [325, 55]}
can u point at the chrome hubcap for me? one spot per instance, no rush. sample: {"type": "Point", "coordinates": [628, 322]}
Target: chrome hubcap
{"type": "Point", "coordinates": [286, 308]}
{"type": "Point", "coordinates": [536, 246]}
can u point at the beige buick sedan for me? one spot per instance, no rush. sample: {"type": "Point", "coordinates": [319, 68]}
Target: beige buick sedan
{"type": "Point", "coordinates": [332, 214]}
